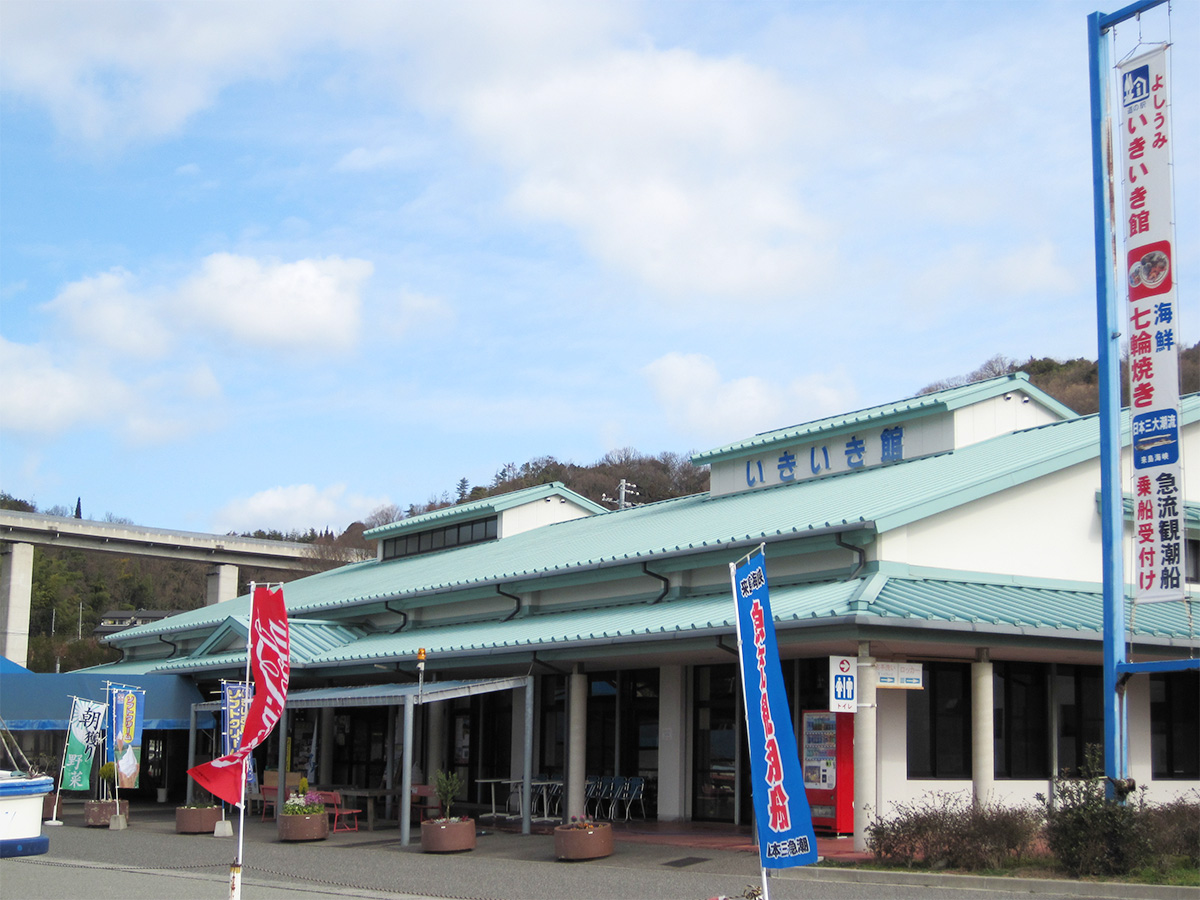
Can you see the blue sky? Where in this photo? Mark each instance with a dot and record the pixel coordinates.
(274, 265)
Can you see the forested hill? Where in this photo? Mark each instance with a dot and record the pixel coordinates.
(72, 589)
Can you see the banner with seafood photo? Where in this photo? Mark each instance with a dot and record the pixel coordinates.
(1148, 223)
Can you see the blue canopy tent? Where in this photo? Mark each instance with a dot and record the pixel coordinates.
(42, 702)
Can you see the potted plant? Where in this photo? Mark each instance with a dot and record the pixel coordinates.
(583, 838)
(303, 816)
(200, 819)
(98, 813)
(449, 833)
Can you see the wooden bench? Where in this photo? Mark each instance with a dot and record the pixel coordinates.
(334, 807)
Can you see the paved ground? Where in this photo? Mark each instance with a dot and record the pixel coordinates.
(148, 860)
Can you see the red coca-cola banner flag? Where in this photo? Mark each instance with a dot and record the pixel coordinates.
(271, 666)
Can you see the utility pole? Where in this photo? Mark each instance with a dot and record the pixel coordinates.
(623, 489)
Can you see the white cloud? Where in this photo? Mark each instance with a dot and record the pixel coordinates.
(296, 507)
(697, 402)
(415, 313)
(108, 310)
(311, 303)
(42, 396)
(679, 169)
(112, 72)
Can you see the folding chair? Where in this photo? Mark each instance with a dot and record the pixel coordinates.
(425, 799)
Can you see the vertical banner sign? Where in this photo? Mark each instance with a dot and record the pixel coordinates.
(85, 731)
(127, 707)
(785, 829)
(271, 665)
(1148, 222)
(235, 703)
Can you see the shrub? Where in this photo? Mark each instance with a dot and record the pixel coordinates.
(1091, 835)
(948, 830)
(446, 785)
(1176, 829)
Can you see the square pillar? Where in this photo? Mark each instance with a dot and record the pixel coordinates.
(16, 593)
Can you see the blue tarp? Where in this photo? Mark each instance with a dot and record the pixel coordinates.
(42, 702)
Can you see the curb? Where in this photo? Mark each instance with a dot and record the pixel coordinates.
(1098, 889)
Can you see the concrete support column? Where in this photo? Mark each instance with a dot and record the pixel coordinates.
(16, 592)
(983, 736)
(672, 744)
(222, 584)
(866, 748)
(576, 784)
(325, 748)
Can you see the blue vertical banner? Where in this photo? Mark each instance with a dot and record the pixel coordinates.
(235, 703)
(785, 829)
(127, 706)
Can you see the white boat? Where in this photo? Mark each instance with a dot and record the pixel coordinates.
(21, 813)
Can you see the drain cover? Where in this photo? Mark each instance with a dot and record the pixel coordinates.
(686, 861)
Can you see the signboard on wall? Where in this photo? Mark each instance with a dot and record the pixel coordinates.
(902, 675)
(843, 684)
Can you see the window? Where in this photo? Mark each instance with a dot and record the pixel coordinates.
(1078, 693)
(1022, 732)
(1174, 729)
(939, 723)
(1192, 557)
(439, 538)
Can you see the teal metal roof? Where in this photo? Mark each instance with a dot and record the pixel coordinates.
(874, 499)
(488, 506)
(310, 639)
(914, 407)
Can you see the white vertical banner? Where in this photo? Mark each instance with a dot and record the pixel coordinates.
(1147, 220)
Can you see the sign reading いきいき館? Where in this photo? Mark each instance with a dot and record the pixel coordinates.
(785, 829)
(1149, 232)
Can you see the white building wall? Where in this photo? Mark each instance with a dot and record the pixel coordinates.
(528, 516)
(1015, 411)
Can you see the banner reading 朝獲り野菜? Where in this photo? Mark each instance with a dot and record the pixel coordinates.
(1147, 221)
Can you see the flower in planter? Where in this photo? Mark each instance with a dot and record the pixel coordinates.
(306, 804)
(583, 823)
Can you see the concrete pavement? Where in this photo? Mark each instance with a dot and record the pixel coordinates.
(148, 860)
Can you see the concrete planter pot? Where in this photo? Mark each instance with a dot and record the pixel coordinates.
(313, 827)
(98, 813)
(444, 836)
(592, 842)
(196, 819)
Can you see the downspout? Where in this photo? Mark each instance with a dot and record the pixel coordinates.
(858, 551)
(666, 583)
(174, 648)
(400, 612)
(517, 600)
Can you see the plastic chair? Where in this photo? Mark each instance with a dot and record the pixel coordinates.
(635, 789)
(604, 796)
(619, 790)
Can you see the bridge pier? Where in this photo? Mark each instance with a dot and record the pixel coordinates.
(16, 591)
(222, 583)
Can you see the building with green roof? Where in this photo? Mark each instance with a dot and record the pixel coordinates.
(954, 535)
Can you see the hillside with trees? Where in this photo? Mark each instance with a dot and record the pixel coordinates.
(72, 589)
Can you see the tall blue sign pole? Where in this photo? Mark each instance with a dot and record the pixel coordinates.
(1116, 665)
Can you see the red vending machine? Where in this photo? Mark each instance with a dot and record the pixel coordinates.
(827, 754)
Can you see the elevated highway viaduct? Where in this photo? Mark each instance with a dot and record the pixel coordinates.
(20, 532)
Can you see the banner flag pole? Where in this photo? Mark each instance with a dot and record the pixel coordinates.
(235, 870)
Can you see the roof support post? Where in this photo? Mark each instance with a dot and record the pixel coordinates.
(191, 784)
(866, 751)
(406, 775)
(527, 770)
